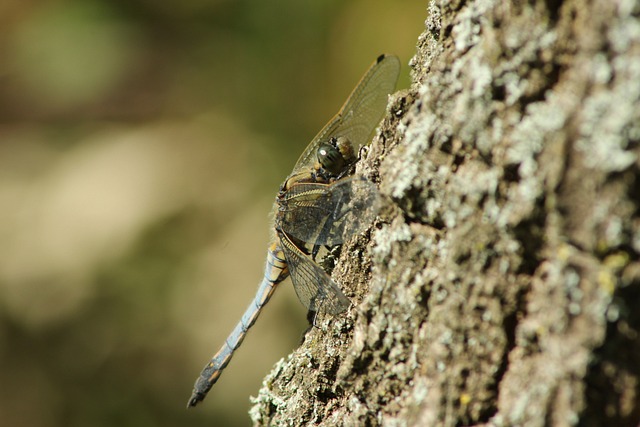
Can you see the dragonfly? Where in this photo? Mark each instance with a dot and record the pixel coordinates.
(319, 205)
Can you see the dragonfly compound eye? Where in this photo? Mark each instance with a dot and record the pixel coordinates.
(331, 159)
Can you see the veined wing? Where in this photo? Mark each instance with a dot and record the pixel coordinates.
(315, 289)
(362, 111)
(328, 214)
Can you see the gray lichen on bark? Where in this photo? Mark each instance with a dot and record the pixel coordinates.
(501, 283)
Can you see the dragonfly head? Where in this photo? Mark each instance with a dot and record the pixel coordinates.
(336, 155)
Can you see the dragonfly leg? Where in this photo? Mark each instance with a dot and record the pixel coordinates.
(315, 318)
(312, 317)
(314, 251)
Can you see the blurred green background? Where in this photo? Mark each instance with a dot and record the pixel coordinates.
(141, 146)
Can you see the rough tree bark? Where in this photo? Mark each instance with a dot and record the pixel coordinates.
(501, 285)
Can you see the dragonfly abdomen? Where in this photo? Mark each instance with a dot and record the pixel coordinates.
(275, 272)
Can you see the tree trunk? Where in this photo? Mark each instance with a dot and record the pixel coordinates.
(501, 284)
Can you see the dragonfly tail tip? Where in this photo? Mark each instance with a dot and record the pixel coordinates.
(194, 400)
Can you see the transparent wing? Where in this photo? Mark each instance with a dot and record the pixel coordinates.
(362, 111)
(315, 289)
(328, 214)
